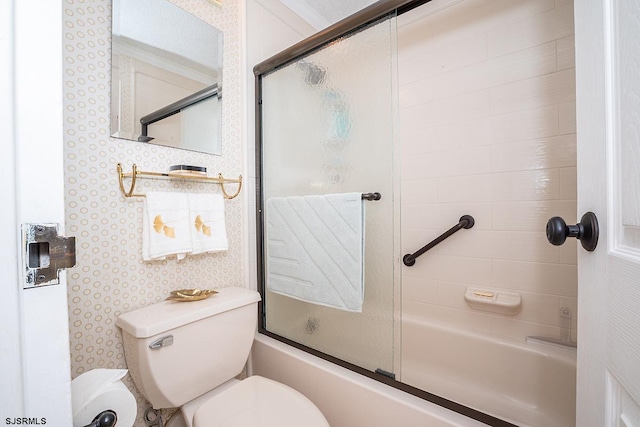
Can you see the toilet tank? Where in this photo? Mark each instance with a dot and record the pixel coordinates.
(177, 351)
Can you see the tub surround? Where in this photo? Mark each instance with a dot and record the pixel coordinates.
(487, 124)
(487, 128)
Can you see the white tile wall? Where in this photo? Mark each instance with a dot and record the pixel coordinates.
(487, 119)
(534, 29)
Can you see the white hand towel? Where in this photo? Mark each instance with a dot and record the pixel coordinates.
(165, 226)
(316, 249)
(206, 219)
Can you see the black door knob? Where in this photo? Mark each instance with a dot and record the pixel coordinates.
(586, 231)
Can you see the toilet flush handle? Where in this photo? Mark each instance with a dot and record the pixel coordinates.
(161, 342)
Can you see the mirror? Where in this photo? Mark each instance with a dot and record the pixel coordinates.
(166, 76)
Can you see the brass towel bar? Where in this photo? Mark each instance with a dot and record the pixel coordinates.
(135, 174)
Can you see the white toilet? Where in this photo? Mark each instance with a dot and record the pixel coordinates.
(187, 355)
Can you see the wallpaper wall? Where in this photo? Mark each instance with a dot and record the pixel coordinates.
(110, 277)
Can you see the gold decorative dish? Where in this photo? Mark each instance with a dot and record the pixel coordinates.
(190, 294)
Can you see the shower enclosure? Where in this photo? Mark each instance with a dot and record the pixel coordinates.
(446, 109)
(322, 134)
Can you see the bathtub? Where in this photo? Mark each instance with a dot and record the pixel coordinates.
(347, 399)
(528, 384)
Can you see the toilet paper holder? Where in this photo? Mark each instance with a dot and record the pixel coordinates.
(104, 419)
(99, 398)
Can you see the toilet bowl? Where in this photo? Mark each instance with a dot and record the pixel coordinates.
(255, 401)
(187, 355)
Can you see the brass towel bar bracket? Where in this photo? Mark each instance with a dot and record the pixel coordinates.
(135, 174)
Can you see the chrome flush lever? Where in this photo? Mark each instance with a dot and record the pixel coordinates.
(161, 342)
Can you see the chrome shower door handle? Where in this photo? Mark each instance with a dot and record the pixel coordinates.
(586, 231)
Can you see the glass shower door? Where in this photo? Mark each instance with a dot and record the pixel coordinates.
(326, 130)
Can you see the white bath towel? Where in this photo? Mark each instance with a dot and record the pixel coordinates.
(316, 249)
(206, 218)
(165, 226)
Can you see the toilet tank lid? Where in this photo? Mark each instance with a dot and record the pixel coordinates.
(158, 318)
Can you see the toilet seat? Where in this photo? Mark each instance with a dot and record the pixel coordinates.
(258, 401)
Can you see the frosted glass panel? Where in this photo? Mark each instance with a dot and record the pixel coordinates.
(328, 128)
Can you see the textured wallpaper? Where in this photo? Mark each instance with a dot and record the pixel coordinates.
(110, 277)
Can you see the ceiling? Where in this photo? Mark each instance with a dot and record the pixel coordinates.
(323, 13)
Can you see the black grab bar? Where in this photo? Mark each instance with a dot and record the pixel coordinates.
(466, 221)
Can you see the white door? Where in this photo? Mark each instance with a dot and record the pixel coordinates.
(608, 120)
(34, 331)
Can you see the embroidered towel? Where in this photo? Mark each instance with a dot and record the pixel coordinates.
(316, 249)
(165, 226)
(206, 218)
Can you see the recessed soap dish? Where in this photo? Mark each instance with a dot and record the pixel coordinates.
(495, 301)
